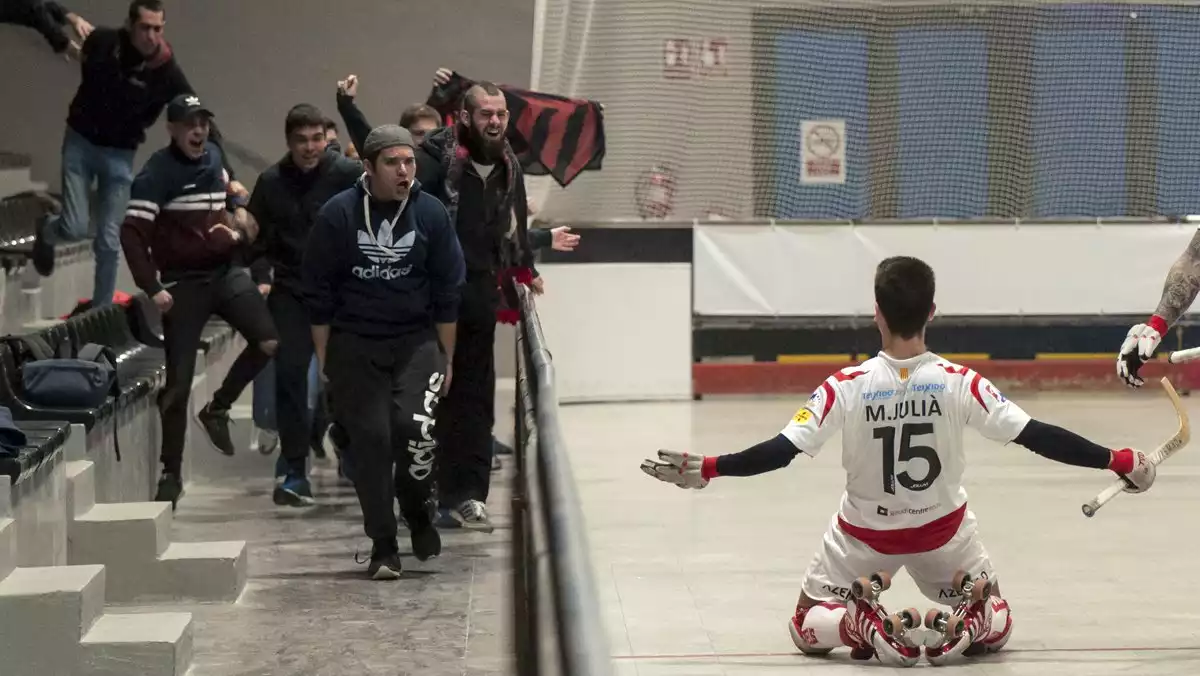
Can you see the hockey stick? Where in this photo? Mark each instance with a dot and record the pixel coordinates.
(1160, 455)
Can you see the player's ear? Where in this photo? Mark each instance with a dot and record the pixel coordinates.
(932, 311)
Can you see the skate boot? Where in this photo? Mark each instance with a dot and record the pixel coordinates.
(979, 623)
(887, 637)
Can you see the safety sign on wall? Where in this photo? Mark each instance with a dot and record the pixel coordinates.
(823, 151)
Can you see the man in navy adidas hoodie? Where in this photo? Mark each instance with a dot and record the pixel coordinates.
(382, 273)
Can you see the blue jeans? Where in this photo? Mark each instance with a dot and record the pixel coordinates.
(264, 395)
(111, 169)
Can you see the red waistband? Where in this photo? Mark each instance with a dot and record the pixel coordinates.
(924, 538)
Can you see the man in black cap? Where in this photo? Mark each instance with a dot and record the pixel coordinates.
(182, 233)
(382, 272)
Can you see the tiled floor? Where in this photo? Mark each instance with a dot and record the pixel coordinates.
(702, 582)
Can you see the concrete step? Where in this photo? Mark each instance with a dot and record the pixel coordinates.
(147, 644)
(132, 540)
(120, 533)
(8, 547)
(44, 613)
(208, 571)
(81, 487)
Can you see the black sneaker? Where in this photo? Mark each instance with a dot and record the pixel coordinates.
(170, 488)
(385, 561)
(216, 426)
(426, 543)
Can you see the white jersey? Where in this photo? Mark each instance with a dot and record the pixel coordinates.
(902, 424)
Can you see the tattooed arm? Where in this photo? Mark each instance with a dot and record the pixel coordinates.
(1179, 292)
(1183, 283)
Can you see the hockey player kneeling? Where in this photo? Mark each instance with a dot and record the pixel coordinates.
(904, 507)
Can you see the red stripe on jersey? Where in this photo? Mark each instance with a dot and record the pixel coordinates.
(828, 401)
(975, 391)
(843, 377)
(923, 538)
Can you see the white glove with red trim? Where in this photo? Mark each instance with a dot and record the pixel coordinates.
(1135, 468)
(685, 470)
(1138, 348)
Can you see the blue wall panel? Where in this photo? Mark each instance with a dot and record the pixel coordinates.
(1079, 119)
(820, 75)
(943, 123)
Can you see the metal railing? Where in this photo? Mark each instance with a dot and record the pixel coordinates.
(556, 612)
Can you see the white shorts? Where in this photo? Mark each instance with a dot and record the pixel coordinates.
(842, 559)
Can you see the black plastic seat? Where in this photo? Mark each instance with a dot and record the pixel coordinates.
(42, 440)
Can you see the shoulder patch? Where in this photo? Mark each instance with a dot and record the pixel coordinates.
(802, 416)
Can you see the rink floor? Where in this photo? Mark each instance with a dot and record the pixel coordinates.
(703, 582)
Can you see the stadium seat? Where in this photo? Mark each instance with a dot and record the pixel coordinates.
(43, 439)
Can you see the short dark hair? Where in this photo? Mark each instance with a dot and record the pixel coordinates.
(303, 115)
(330, 124)
(469, 101)
(136, 7)
(904, 288)
(417, 112)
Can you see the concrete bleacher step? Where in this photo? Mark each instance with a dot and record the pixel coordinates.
(44, 613)
(8, 546)
(132, 539)
(147, 644)
(81, 487)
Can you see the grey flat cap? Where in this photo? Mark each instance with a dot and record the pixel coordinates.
(386, 136)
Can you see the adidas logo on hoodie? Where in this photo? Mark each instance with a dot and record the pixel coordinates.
(383, 252)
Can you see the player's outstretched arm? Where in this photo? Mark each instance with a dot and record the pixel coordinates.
(1179, 292)
(1061, 445)
(688, 470)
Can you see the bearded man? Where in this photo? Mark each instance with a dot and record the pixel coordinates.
(473, 170)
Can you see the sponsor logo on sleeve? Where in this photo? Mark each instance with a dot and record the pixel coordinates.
(802, 416)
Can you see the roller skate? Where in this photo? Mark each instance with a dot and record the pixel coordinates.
(888, 637)
(967, 630)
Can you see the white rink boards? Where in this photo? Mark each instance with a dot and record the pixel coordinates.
(701, 583)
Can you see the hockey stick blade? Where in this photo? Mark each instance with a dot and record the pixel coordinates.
(1160, 455)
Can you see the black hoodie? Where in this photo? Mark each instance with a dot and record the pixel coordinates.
(382, 269)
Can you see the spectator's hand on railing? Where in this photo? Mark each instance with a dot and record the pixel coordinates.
(349, 86)
(562, 239)
(538, 285)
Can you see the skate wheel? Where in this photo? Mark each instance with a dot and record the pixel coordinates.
(911, 617)
(961, 582)
(884, 579)
(955, 626)
(893, 625)
(932, 617)
(862, 589)
(981, 590)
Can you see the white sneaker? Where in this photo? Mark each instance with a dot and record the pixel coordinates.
(472, 514)
(267, 441)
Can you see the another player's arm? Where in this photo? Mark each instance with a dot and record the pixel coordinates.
(1179, 292)
(1000, 420)
(808, 430)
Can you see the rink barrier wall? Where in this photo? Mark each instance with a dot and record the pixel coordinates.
(558, 628)
(679, 310)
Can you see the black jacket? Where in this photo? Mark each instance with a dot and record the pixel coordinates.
(398, 276)
(285, 203)
(44, 16)
(121, 94)
(483, 230)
